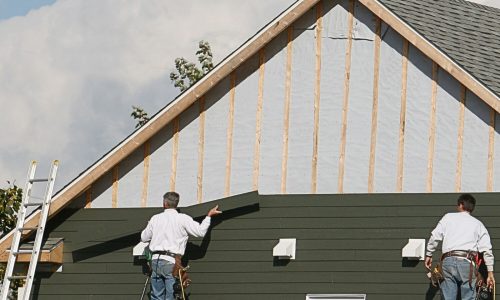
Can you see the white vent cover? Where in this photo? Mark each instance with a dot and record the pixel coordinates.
(285, 249)
(414, 250)
(139, 249)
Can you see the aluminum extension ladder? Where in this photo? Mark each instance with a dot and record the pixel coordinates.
(20, 228)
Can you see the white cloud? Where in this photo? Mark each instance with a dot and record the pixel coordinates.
(492, 3)
(71, 71)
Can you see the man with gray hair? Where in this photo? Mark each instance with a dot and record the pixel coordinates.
(167, 234)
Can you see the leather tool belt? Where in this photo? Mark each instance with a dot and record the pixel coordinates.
(471, 255)
(165, 253)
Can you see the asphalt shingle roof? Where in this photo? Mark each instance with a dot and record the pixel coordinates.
(467, 32)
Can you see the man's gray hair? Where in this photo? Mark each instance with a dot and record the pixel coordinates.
(171, 199)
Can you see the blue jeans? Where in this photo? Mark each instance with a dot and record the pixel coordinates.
(456, 272)
(162, 281)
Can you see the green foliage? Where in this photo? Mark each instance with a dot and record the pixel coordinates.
(10, 201)
(187, 73)
(140, 115)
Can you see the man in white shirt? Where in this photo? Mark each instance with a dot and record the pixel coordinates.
(463, 238)
(167, 234)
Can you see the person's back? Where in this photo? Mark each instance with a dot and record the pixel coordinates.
(463, 238)
(167, 234)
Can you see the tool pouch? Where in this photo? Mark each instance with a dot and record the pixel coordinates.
(436, 275)
(180, 272)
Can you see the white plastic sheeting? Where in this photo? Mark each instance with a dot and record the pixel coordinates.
(418, 108)
(301, 123)
(389, 107)
(447, 124)
(357, 152)
(475, 145)
(272, 116)
(332, 91)
(245, 114)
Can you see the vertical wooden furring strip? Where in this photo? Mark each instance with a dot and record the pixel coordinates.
(88, 197)
(402, 116)
(317, 96)
(175, 150)
(201, 149)
(230, 125)
(258, 121)
(491, 150)
(145, 176)
(432, 127)
(288, 83)
(114, 193)
(376, 73)
(347, 75)
(460, 144)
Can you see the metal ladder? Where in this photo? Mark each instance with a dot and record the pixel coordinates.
(20, 228)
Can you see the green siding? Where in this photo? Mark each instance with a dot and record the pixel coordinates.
(345, 244)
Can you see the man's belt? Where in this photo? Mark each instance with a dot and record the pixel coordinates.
(169, 253)
(460, 253)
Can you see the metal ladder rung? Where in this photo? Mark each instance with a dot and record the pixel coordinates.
(17, 277)
(39, 180)
(33, 204)
(22, 252)
(27, 228)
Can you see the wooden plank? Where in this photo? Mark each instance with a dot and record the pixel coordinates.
(230, 127)
(145, 176)
(258, 120)
(88, 197)
(376, 75)
(435, 54)
(491, 150)
(54, 256)
(432, 127)
(286, 119)
(201, 149)
(114, 194)
(317, 96)
(460, 144)
(402, 116)
(347, 75)
(175, 152)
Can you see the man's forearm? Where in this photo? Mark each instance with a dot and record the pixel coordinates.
(489, 260)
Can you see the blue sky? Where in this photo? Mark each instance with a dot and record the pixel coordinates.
(14, 8)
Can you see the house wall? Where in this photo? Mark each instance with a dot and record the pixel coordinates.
(337, 103)
(346, 244)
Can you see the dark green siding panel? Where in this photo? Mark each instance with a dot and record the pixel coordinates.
(345, 244)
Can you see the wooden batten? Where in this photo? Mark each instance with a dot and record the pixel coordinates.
(201, 149)
(88, 197)
(345, 106)
(230, 127)
(145, 176)
(317, 97)
(258, 120)
(402, 116)
(460, 144)
(433, 53)
(432, 127)
(114, 193)
(286, 119)
(376, 75)
(491, 150)
(175, 153)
